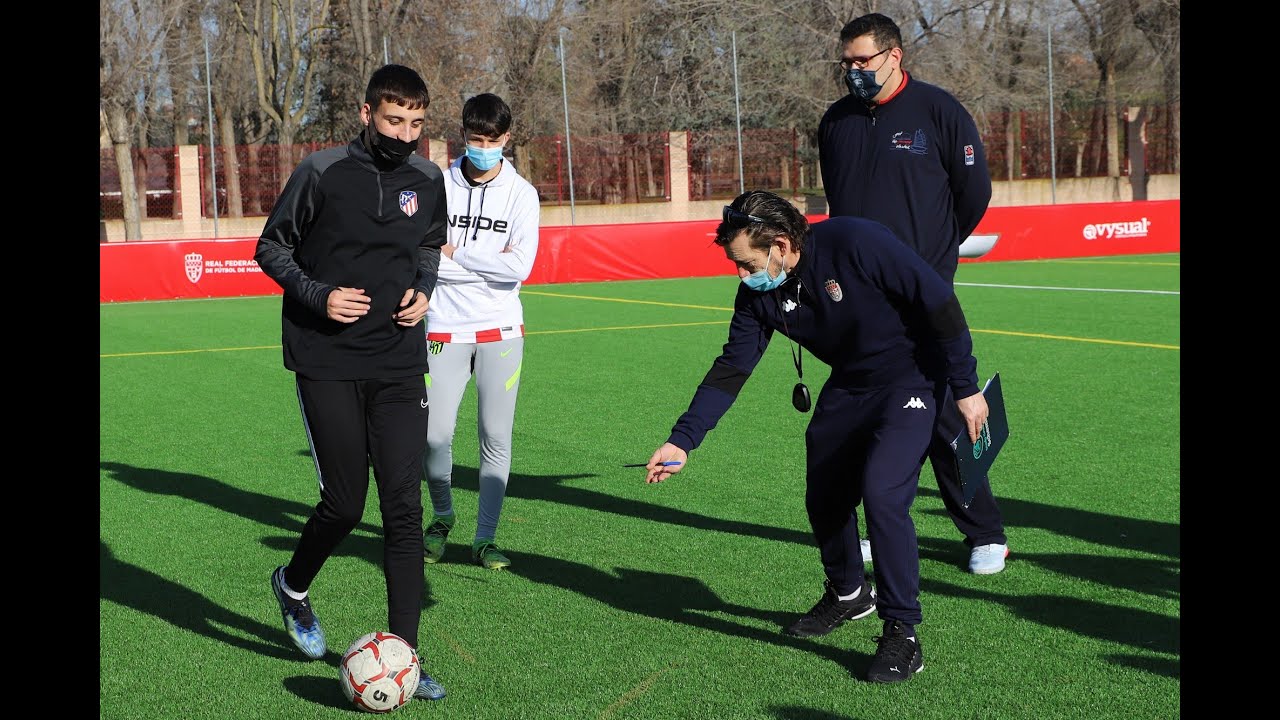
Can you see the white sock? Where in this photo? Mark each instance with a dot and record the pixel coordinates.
(856, 593)
(302, 596)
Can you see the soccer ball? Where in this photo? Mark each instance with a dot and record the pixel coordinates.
(379, 672)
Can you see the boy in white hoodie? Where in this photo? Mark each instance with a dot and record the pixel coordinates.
(475, 322)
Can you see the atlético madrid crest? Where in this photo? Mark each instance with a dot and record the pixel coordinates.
(833, 289)
(409, 202)
(195, 266)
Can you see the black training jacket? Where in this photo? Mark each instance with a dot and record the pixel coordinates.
(342, 221)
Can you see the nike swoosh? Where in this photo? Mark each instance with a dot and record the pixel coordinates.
(504, 354)
(423, 403)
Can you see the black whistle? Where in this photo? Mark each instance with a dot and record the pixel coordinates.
(800, 398)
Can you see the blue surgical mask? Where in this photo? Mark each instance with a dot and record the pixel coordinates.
(484, 158)
(761, 281)
(862, 83)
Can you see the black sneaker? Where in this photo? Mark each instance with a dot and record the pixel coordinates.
(899, 655)
(831, 612)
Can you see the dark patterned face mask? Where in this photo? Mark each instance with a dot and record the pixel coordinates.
(862, 83)
(389, 149)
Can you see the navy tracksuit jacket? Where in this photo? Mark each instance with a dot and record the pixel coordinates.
(888, 325)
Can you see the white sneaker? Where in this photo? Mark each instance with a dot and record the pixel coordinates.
(866, 550)
(988, 559)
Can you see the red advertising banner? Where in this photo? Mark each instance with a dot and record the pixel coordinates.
(588, 253)
(1082, 230)
(181, 269)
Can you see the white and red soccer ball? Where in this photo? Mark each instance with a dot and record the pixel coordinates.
(379, 672)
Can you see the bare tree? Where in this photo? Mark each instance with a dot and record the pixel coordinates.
(1160, 23)
(131, 35)
(1105, 23)
(283, 41)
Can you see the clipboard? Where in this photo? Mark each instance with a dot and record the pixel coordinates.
(974, 460)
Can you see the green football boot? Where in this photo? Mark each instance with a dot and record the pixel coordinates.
(434, 536)
(486, 552)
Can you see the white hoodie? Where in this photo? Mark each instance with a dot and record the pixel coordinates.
(494, 227)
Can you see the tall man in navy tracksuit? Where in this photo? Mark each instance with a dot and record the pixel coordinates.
(857, 298)
(905, 153)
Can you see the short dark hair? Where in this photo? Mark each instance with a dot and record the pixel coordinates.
(883, 31)
(779, 217)
(398, 85)
(486, 114)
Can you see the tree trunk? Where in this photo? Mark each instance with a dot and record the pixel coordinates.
(1111, 123)
(254, 173)
(231, 165)
(284, 158)
(118, 127)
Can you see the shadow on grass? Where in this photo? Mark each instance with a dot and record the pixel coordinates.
(550, 489)
(1090, 618)
(144, 591)
(263, 509)
(1149, 536)
(319, 689)
(679, 599)
(1170, 668)
(365, 542)
(1153, 576)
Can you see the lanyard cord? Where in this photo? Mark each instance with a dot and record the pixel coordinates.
(797, 359)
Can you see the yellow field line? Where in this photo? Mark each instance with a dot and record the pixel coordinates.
(453, 644)
(188, 352)
(1041, 336)
(1076, 339)
(629, 696)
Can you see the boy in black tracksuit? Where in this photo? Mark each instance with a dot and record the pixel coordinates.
(907, 154)
(354, 240)
(858, 299)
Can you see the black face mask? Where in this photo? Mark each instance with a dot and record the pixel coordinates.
(389, 149)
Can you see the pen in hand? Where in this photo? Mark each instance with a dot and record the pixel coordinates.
(667, 463)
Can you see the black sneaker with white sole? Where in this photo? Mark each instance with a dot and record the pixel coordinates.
(831, 612)
(899, 655)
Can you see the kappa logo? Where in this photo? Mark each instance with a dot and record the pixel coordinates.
(833, 289)
(915, 403)
(194, 263)
(408, 202)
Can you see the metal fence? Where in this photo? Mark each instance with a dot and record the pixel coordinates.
(770, 159)
(1018, 142)
(607, 169)
(155, 171)
(635, 168)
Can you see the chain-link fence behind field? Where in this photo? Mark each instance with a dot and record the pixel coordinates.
(1018, 144)
(607, 169)
(154, 170)
(636, 168)
(260, 172)
(770, 160)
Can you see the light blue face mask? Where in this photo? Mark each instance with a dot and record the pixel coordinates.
(760, 281)
(484, 158)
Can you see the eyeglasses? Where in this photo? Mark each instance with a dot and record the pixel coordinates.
(860, 62)
(734, 217)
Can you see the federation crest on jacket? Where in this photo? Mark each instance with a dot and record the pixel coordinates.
(833, 289)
